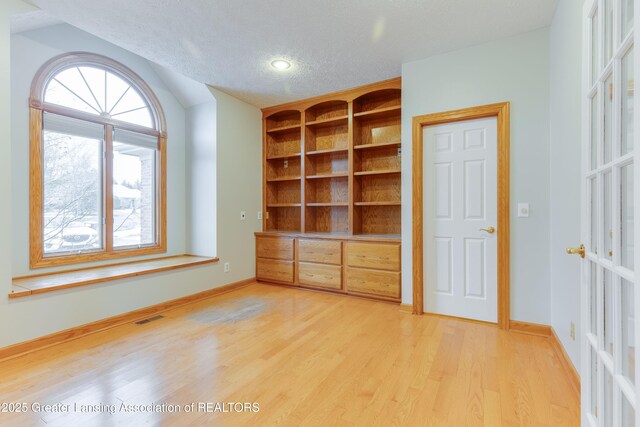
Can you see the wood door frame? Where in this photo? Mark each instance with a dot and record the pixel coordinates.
(501, 111)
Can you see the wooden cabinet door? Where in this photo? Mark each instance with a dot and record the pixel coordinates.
(274, 270)
(275, 248)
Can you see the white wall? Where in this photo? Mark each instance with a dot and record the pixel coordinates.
(6, 8)
(201, 179)
(517, 70)
(239, 133)
(239, 168)
(565, 127)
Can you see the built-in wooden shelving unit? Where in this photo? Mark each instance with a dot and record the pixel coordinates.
(332, 163)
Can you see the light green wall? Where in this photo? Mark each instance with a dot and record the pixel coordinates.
(239, 188)
(514, 69)
(566, 134)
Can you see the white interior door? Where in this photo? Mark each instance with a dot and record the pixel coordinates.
(460, 235)
(609, 299)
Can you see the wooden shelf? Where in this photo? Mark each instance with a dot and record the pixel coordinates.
(329, 204)
(376, 146)
(327, 176)
(327, 121)
(380, 112)
(377, 172)
(284, 129)
(348, 147)
(373, 236)
(283, 156)
(377, 203)
(382, 238)
(284, 205)
(48, 282)
(283, 178)
(329, 150)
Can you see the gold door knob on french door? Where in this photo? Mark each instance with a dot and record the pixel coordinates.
(489, 230)
(576, 251)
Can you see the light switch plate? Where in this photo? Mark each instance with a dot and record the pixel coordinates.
(523, 210)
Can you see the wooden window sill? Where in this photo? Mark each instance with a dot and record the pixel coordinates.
(42, 283)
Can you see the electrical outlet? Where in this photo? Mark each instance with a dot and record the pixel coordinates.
(227, 267)
(259, 214)
(286, 163)
(523, 210)
(573, 331)
(243, 215)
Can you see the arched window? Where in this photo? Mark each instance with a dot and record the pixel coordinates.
(97, 163)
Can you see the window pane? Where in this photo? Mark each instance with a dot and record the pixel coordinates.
(95, 80)
(595, 50)
(628, 331)
(606, 215)
(626, 216)
(607, 284)
(594, 383)
(594, 132)
(117, 88)
(96, 91)
(608, 398)
(68, 89)
(594, 215)
(138, 117)
(134, 189)
(608, 120)
(608, 30)
(626, 142)
(72, 199)
(132, 108)
(593, 299)
(628, 413)
(627, 16)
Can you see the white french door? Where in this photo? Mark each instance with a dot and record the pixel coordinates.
(609, 298)
(460, 206)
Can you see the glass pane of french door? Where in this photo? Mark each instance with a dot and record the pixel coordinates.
(609, 308)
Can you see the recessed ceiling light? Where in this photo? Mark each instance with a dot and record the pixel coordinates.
(280, 64)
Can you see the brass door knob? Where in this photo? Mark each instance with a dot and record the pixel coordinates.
(489, 230)
(576, 251)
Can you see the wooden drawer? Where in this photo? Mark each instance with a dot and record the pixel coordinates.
(275, 247)
(270, 269)
(373, 282)
(320, 276)
(381, 256)
(321, 251)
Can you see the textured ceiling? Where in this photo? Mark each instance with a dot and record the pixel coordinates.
(32, 20)
(334, 44)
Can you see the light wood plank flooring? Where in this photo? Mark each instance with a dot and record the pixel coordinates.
(306, 358)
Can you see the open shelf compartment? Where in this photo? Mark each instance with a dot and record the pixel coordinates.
(376, 220)
(330, 190)
(380, 100)
(282, 168)
(327, 164)
(283, 219)
(326, 219)
(282, 121)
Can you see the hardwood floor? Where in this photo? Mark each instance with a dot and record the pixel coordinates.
(306, 358)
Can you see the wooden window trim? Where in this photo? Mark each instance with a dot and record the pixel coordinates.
(38, 107)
